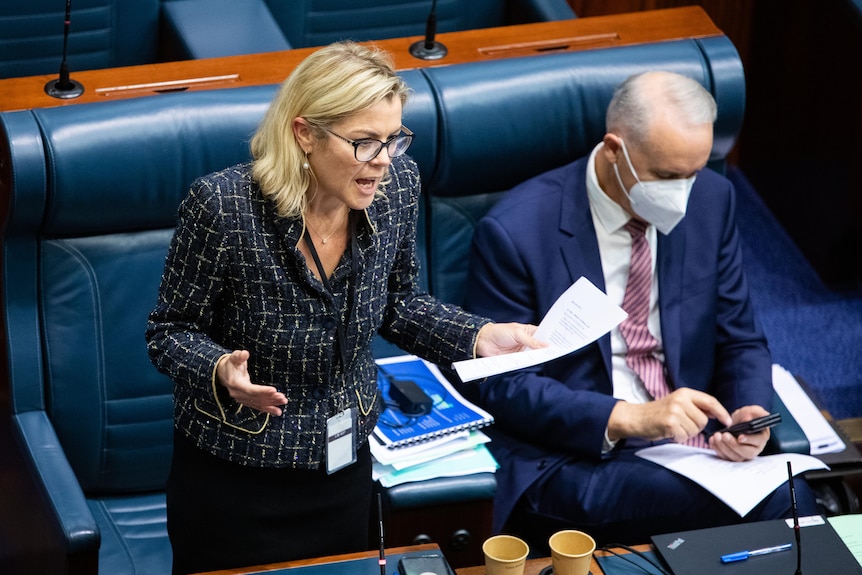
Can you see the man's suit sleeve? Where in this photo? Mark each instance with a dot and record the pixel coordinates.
(557, 405)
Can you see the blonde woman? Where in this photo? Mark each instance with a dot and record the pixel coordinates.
(280, 273)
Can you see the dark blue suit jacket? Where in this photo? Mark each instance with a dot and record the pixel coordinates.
(532, 246)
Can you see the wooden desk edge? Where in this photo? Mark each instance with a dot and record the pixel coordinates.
(533, 567)
(324, 560)
(272, 67)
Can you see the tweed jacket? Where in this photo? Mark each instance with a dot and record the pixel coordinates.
(235, 279)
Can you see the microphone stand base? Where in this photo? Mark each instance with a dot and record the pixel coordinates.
(423, 52)
(54, 90)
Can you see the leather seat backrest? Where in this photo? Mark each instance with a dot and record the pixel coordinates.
(215, 28)
(491, 141)
(319, 22)
(102, 34)
(116, 173)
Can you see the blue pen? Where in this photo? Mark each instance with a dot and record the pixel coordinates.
(743, 555)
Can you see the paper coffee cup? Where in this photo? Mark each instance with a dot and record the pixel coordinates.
(571, 552)
(505, 555)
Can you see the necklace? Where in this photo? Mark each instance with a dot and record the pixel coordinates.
(325, 238)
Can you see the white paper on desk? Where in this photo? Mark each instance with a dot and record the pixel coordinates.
(821, 435)
(580, 316)
(459, 464)
(741, 485)
(849, 528)
(409, 456)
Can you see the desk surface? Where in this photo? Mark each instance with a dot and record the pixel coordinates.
(287, 565)
(273, 67)
(533, 567)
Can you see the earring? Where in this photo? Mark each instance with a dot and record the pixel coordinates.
(305, 165)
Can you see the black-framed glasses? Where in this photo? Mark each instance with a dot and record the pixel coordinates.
(366, 149)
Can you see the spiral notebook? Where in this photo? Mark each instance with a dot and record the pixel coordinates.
(450, 411)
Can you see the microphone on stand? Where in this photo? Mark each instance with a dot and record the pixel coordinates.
(795, 520)
(382, 559)
(429, 49)
(64, 87)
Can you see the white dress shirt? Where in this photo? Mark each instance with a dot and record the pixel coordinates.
(615, 247)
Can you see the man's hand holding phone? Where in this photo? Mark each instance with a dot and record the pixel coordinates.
(745, 439)
(753, 425)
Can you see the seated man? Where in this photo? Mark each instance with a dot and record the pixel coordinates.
(644, 221)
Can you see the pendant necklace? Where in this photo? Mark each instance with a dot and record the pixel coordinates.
(325, 238)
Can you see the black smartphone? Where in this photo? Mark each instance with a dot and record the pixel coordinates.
(424, 565)
(753, 426)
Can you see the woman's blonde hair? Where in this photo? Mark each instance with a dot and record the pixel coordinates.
(331, 84)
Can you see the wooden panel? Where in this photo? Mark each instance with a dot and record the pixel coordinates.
(300, 563)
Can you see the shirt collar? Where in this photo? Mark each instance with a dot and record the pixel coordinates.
(607, 212)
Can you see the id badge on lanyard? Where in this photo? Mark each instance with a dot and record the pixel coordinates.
(340, 447)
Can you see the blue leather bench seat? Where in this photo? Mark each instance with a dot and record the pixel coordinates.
(211, 28)
(102, 34)
(90, 226)
(195, 29)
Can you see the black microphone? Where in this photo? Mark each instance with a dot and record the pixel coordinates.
(64, 87)
(382, 559)
(429, 49)
(795, 520)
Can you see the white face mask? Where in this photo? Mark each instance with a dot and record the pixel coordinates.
(661, 203)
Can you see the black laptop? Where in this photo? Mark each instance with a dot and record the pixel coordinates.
(699, 552)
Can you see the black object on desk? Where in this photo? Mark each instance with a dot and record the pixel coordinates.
(424, 565)
(699, 551)
(362, 566)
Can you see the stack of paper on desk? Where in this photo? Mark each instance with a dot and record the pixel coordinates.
(821, 435)
(443, 443)
(451, 458)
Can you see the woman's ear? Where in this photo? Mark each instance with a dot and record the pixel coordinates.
(303, 135)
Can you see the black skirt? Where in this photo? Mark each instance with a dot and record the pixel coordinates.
(222, 515)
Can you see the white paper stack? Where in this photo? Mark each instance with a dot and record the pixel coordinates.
(821, 435)
(464, 453)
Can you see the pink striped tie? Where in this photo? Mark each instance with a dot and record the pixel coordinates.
(641, 344)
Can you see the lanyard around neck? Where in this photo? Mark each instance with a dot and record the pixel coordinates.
(340, 326)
